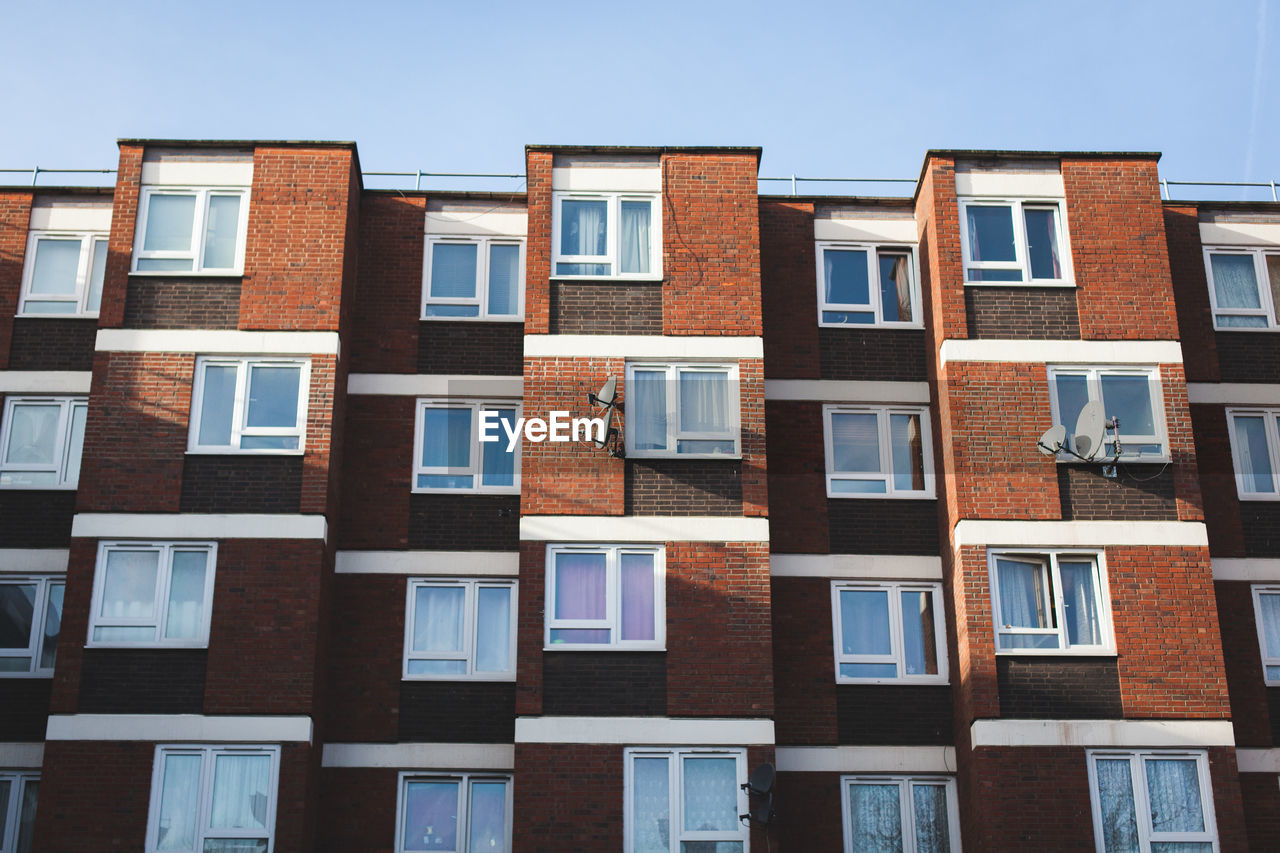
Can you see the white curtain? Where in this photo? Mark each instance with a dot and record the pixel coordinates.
(1115, 794)
(583, 228)
(876, 814)
(179, 804)
(493, 636)
(647, 412)
(488, 826)
(651, 806)
(1022, 599)
(1235, 281)
(34, 435)
(932, 825)
(129, 590)
(855, 443)
(704, 402)
(186, 596)
(1270, 606)
(241, 791)
(437, 619)
(635, 237)
(1173, 787)
(710, 794)
(1079, 601)
(895, 288)
(1255, 461)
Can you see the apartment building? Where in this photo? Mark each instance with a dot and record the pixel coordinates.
(265, 585)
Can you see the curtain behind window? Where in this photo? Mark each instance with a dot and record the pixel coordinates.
(876, 817)
(241, 791)
(635, 237)
(650, 804)
(1235, 282)
(648, 411)
(1079, 603)
(1115, 797)
(933, 829)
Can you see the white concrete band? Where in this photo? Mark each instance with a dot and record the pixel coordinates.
(446, 563)
(421, 756)
(34, 561)
(620, 528)
(45, 381)
(865, 759)
(1010, 184)
(198, 173)
(217, 342)
(642, 346)
(475, 219)
(856, 566)
(637, 178)
(1094, 733)
(835, 391)
(863, 230)
(1081, 534)
(1233, 393)
(1061, 352)
(195, 728)
(108, 525)
(1253, 569)
(21, 756)
(1239, 233)
(435, 385)
(1258, 760)
(64, 214)
(637, 731)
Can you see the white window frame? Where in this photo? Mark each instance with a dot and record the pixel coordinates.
(465, 781)
(1048, 559)
(208, 754)
(195, 253)
(906, 804)
(11, 810)
(475, 469)
(613, 600)
(674, 434)
(44, 584)
(1141, 803)
(883, 415)
(875, 305)
(471, 625)
(1259, 590)
(1267, 306)
(1269, 418)
(1022, 261)
(613, 240)
(62, 452)
(675, 793)
(897, 654)
(240, 408)
(164, 577)
(89, 241)
(1093, 375)
(481, 299)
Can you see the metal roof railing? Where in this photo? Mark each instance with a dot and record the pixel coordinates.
(35, 172)
(1165, 184)
(794, 180)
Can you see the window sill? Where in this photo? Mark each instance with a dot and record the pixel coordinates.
(203, 644)
(4, 675)
(1259, 499)
(899, 496)
(208, 451)
(606, 279)
(464, 492)
(723, 457)
(56, 316)
(186, 273)
(1266, 329)
(901, 682)
(1057, 284)
(565, 647)
(1059, 653)
(23, 488)
(883, 326)
(498, 679)
(1106, 460)
(502, 319)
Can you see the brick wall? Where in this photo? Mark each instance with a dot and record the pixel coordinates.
(941, 270)
(809, 813)
(387, 298)
(1260, 796)
(457, 712)
(15, 216)
(1048, 688)
(537, 289)
(683, 487)
(36, 519)
(604, 684)
(1248, 357)
(1222, 506)
(867, 526)
(1191, 292)
(182, 303)
(24, 708)
(611, 308)
(124, 214)
(142, 681)
(357, 810)
(495, 349)
(1138, 492)
(894, 355)
(363, 684)
(1250, 712)
(1021, 312)
(241, 484)
(788, 294)
(803, 662)
(441, 522)
(376, 472)
(894, 714)
(49, 343)
(798, 521)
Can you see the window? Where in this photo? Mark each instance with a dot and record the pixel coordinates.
(474, 278)
(453, 813)
(889, 632)
(1266, 612)
(191, 230)
(1130, 394)
(847, 296)
(63, 274)
(1244, 287)
(878, 452)
(685, 800)
(1255, 450)
(249, 405)
(153, 594)
(606, 597)
(451, 455)
(30, 619)
(1009, 241)
(460, 629)
(1050, 602)
(911, 814)
(686, 410)
(1152, 802)
(42, 439)
(607, 235)
(18, 795)
(213, 799)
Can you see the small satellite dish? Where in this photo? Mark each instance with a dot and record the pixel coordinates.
(760, 786)
(603, 441)
(1091, 430)
(761, 781)
(1051, 442)
(608, 393)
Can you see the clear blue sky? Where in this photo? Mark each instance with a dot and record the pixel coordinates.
(837, 88)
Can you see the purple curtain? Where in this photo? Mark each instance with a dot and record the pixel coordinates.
(637, 597)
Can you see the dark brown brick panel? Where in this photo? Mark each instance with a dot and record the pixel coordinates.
(797, 470)
(36, 519)
(1260, 793)
(1022, 312)
(464, 522)
(376, 464)
(187, 303)
(15, 215)
(894, 714)
(24, 708)
(683, 487)
(1138, 492)
(810, 816)
(890, 355)
(868, 526)
(458, 711)
(611, 308)
(241, 484)
(1250, 713)
(142, 681)
(52, 344)
(1191, 292)
(387, 299)
(1260, 522)
(604, 684)
(803, 665)
(357, 810)
(788, 289)
(1048, 688)
(1242, 356)
(364, 666)
(491, 349)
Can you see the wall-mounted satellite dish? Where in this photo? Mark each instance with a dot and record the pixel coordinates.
(1091, 430)
(608, 400)
(1051, 442)
(759, 788)
(608, 393)
(603, 442)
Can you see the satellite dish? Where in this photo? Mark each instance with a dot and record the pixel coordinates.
(1051, 442)
(603, 441)
(608, 393)
(1091, 430)
(761, 781)
(760, 785)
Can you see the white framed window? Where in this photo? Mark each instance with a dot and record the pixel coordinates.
(606, 235)
(878, 451)
(1131, 394)
(41, 440)
(63, 274)
(451, 455)
(153, 594)
(453, 812)
(1050, 602)
(1255, 452)
(459, 629)
(1244, 287)
(213, 798)
(19, 791)
(687, 410)
(606, 597)
(684, 799)
(889, 633)
(911, 814)
(865, 284)
(1152, 801)
(249, 405)
(1012, 241)
(473, 278)
(191, 230)
(30, 620)
(1266, 614)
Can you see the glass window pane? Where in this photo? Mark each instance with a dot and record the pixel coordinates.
(1254, 458)
(584, 227)
(582, 269)
(221, 229)
(648, 410)
(179, 804)
(685, 445)
(1181, 847)
(848, 318)
(868, 670)
(920, 642)
(864, 622)
(52, 626)
(216, 405)
(1073, 394)
(129, 588)
(1080, 602)
(580, 635)
(234, 845)
(438, 618)
(241, 791)
(1269, 603)
(637, 596)
(124, 635)
(453, 270)
(170, 223)
(75, 444)
(97, 272)
(1273, 276)
(273, 396)
(488, 817)
(434, 310)
(895, 288)
(1023, 593)
(164, 264)
(504, 279)
(855, 442)
(17, 614)
(859, 487)
(57, 265)
(845, 274)
(710, 794)
(430, 816)
(445, 481)
(1173, 789)
(33, 435)
(1129, 399)
(580, 586)
(446, 437)
(875, 815)
(437, 667)
(634, 227)
(1235, 281)
(27, 816)
(933, 827)
(650, 806)
(991, 233)
(268, 442)
(1042, 242)
(1115, 796)
(908, 452)
(704, 401)
(498, 466)
(5, 787)
(185, 617)
(493, 632)
(33, 306)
